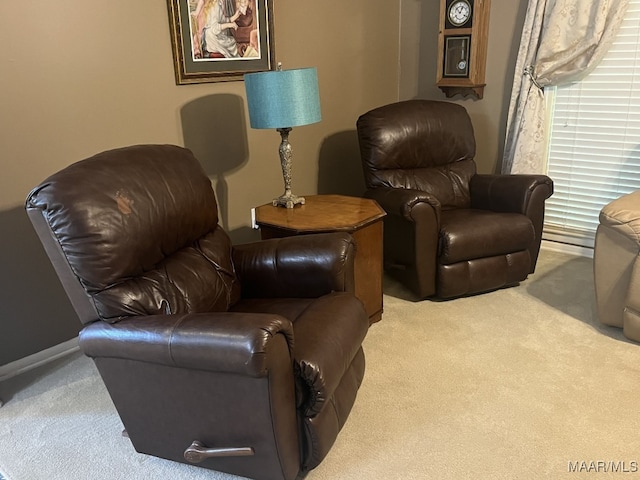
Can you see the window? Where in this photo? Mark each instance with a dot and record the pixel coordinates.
(594, 144)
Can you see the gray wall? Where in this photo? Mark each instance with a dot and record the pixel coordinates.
(418, 60)
(78, 79)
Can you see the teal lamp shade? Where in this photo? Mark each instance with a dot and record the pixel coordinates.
(283, 98)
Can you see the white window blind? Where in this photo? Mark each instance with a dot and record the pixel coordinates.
(594, 144)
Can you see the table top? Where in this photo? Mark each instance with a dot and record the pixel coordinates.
(321, 213)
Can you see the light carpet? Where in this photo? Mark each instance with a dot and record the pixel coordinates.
(520, 383)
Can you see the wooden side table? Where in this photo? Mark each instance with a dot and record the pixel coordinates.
(361, 217)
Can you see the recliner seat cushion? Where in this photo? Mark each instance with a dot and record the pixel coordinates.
(467, 234)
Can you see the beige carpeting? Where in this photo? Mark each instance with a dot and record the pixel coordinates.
(521, 383)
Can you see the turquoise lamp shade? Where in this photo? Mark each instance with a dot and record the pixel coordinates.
(283, 98)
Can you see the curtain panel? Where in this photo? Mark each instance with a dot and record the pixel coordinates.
(562, 41)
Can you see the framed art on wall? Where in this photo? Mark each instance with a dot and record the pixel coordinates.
(220, 40)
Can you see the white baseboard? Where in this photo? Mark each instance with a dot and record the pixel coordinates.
(32, 361)
(567, 248)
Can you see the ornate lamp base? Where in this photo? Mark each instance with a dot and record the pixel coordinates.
(288, 200)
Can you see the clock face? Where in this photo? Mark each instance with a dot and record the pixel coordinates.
(459, 12)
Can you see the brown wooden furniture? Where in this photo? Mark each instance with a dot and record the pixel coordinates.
(361, 217)
(462, 47)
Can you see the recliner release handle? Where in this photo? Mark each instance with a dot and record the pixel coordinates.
(197, 452)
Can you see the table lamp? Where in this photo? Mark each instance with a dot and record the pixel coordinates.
(283, 99)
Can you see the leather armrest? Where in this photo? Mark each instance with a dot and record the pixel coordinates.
(218, 342)
(508, 193)
(411, 229)
(401, 201)
(623, 216)
(305, 266)
(328, 336)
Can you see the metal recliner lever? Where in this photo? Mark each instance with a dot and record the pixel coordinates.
(197, 452)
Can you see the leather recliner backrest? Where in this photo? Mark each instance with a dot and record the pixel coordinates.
(137, 229)
(419, 144)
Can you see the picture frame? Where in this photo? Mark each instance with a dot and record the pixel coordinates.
(201, 55)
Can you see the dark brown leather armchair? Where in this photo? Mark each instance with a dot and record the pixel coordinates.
(448, 231)
(244, 359)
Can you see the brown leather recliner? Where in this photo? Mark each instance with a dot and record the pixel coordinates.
(448, 231)
(244, 359)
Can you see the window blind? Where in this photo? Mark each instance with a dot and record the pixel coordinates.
(594, 143)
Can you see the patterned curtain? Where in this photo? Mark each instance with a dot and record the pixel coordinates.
(562, 41)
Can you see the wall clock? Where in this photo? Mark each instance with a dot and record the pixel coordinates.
(462, 47)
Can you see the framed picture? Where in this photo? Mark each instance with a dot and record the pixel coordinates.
(220, 40)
